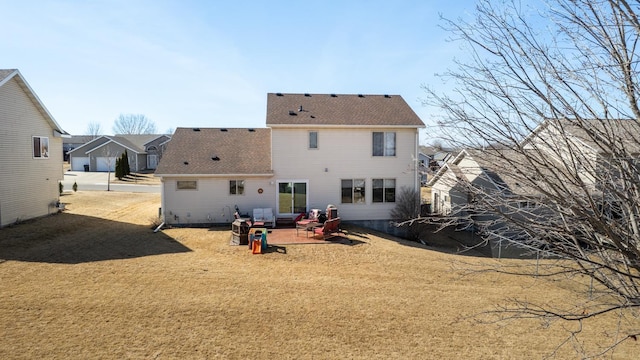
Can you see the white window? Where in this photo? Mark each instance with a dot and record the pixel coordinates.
(187, 185)
(236, 187)
(353, 191)
(313, 139)
(384, 190)
(384, 144)
(40, 147)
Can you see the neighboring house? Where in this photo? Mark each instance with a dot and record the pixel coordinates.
(100, 154)
(30, 152)
(356, 152)
(423, 167)
(71, 142)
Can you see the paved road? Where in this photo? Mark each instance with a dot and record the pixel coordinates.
(97, 181)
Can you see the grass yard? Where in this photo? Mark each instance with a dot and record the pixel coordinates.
(96, 282)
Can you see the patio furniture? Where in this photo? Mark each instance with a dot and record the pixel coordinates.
(264, 217)
(310, 222)
(329, 229)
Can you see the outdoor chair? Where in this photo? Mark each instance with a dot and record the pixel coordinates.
(309, 222)
(264, 216)
(329, 229)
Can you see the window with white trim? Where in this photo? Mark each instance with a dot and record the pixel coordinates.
(384, 144)
(313, 139)
(353, 191)
(40, 147)
(236, 187)
(384, 190)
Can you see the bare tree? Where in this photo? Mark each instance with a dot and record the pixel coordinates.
(547, 103)
(133, 124)
(94, 130)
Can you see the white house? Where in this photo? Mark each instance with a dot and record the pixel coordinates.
(30, 152)
(356, 152)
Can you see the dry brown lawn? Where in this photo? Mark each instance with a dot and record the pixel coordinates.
(96, 282)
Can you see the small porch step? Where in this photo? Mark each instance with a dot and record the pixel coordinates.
(285, 222)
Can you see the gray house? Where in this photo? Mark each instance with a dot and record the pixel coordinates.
(100, 154)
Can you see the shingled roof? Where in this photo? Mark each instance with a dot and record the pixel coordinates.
(217, 151)
(340, 110)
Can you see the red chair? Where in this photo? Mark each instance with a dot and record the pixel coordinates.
(329, 229)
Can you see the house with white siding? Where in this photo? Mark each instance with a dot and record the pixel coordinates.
(356, 152)
(30, 152)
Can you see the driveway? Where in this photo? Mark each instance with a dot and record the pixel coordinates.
(98, 181)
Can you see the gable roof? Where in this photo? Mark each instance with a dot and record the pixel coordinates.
(135, 143)
(340, 110)
(217, 151)
(7, 74)
(594, 133)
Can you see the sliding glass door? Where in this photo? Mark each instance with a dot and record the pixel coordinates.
(292, 197)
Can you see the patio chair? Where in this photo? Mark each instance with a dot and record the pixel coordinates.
(264, 216)
(329, 229)
(309, 222)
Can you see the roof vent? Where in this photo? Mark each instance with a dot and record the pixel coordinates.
(196, 129)
(334, 95)
(278, 94)
(313, 116)
(360, 95)
(186, 163)
(215, 158)
(387, 96)
(252, 130)
(300, 108)
(224, 130)
(292, 113)
(307, 94)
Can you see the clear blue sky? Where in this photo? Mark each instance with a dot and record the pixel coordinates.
(212, 63)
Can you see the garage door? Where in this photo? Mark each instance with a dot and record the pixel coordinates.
(78, 163)
(104, 163)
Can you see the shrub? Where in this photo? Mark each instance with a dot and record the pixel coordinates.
(60, 187)
(75, 186)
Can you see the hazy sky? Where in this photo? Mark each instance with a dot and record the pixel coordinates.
(212, 63)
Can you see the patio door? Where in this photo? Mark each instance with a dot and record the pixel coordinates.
(292, 197)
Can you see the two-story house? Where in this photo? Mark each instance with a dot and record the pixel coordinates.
(356, 152)
(30, 152)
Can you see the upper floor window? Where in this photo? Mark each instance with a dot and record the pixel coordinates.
(40, 147)
(384, 190)
(384, 144)
(313, 139)
(236, 187)
(353, 191)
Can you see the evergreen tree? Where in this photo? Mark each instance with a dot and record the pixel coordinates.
(119, 172)
(125, 160)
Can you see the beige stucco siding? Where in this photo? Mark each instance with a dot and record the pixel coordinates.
(344, 154)
(28, 186)
(211, 201)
